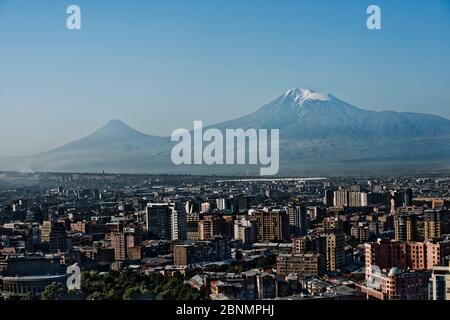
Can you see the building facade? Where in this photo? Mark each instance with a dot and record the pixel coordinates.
(304, 264)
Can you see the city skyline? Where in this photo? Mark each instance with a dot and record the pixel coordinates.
(146, 63)
(168, 237)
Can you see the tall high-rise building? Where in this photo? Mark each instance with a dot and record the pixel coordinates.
(340, 198)
(436, 223)
(395, 201)
(245, 230)
(334, 246)
(54, 234)
(298, 220)
(192, 220)
(328, 199)
(400, 199)
(364, 199)
(159, 219)
(333, 243)
(119, 244)
(354, 199)
(122, 240)
(221, 203)
(178, 221)
(207, 227)
(213, 225)
(167, 221)
(243, 204)
(405, 227)
(190, 206)
(407, 198)
(273, 225)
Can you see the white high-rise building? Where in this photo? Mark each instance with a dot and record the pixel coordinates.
(221, 203)
(189, 206)
(178, 221)
(340, 198)
(298, 219)
(245, 230)
(364, 201)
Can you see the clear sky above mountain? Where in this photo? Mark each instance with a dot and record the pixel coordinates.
(159, 65)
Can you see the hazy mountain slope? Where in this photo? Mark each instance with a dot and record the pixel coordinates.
(115, 147)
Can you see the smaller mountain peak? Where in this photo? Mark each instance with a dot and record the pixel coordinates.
(115, 122)
(300, 96)
(116, 127)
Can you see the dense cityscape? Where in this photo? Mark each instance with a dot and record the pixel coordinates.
(168, 237)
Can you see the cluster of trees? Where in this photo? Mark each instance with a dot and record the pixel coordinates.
(123, 285)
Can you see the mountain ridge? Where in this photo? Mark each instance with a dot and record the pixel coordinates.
(314, 127)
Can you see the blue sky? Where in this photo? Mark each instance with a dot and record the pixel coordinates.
(161, 64)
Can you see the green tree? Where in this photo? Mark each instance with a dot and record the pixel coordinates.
(54, 291)
(128, 284)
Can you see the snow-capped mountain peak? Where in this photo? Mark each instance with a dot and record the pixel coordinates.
(300, 96)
